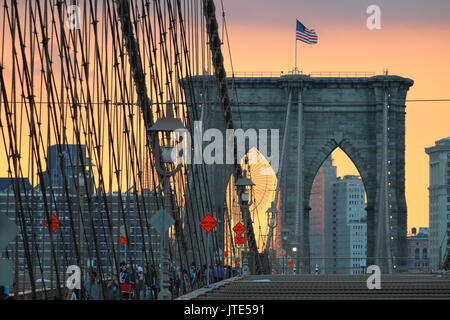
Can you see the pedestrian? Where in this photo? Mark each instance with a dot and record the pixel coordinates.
(124, 277)
(176, 278)
(148, 282)
(157, 285)
(234, 272)
(4, 295)
(200, 279)
(140, 283)
(73, 294)
(205, 271)
(187, 282)
(193, 275)
(227, 272)
(126, 283)
(113, 289)
(218, 273)
(92, 287)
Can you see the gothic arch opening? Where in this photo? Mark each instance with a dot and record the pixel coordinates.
(338, 217)
(259, 170)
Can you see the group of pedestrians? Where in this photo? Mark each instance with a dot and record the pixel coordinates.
(143, 283)
(132, 284)
(199, 275)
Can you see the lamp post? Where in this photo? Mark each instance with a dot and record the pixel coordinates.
(294, 250)
(163, 139)
(244, 188)
(271, 212)
(283, 259)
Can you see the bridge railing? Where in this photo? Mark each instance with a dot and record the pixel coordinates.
(316, 74)
(342, 74)
(343, 265)
(256, 74)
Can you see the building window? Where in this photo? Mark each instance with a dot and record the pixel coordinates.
(417, 254)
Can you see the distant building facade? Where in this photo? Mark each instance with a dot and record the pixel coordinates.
(418, 258)
(439, 200)
(338, 222)
(350, 226)
(90, 217)
(321, 217)
(99, 217)
(67, 165)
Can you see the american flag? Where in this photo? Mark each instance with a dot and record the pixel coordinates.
(306, 35)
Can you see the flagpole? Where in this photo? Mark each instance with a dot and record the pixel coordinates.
(295, 56)
(295, 69)
(296, 49)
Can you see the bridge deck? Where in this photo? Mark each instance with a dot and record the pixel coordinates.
(304, 287)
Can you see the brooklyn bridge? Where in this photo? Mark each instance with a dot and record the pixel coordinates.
(137, 166)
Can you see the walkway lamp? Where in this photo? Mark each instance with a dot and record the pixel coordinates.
(163, 149)
(244, 188)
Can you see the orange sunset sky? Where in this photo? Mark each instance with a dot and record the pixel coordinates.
(413, 42)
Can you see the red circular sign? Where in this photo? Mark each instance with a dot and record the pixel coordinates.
(239, 228)
(123, 240)
(208, 223)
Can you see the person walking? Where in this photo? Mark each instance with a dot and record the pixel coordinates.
(113, 289)
(124, 277)
(193, 276)
(140, 284)
(151, 282)
(187, 282)
(157, 285)
(4, 294)
(92, 287)
(203, 275)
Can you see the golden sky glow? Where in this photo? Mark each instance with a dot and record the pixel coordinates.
(421, 53)
(413, 43)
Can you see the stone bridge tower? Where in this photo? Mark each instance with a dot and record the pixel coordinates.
(365, 117)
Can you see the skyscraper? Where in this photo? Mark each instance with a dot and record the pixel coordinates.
(350, 226)
(338, 222)
(439, 200)
(321, 217)
(67, 164)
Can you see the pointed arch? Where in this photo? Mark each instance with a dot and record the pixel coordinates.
(325, 151)
(263, 176)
